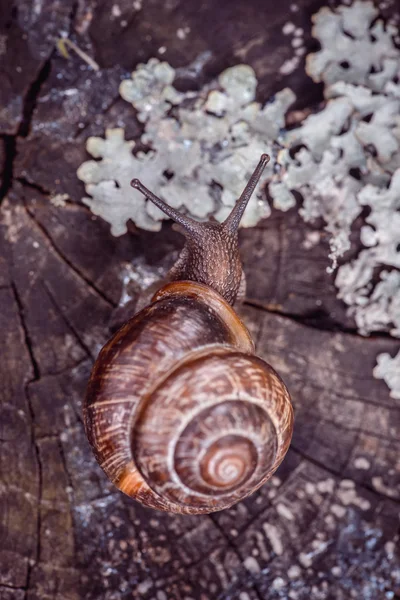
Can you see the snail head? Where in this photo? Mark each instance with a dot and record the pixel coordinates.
(211, 253)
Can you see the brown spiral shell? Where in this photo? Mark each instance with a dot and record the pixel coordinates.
(180, 413)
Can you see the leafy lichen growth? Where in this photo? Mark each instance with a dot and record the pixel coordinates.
(199, 157)
(354, 47)
(360, 64)
(388, 369)
(203, 145)
(380, 308)
(349, 158)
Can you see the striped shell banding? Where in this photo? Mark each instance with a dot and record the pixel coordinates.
(180, 413)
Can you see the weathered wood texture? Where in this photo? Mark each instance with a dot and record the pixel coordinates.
(327, 526)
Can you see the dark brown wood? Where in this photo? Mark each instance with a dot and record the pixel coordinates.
(327, 525)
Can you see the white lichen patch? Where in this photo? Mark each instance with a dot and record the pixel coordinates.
(310, 488)
(326, 486)
(354, 47)
(59, 200)
(346, 157)
(274, 537)
(150, 89)
(252, 565)
(298, 47)
(278, 583)
(347, 495)
(294, 572)
(334, 170)
(379, 309)
(199, 158)
(306, 559)
(362, 463)
(107, 181)
(284, 511)
(343, 160)
(338, 511)
(388, 369)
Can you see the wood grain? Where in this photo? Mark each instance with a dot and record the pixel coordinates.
(326, 526)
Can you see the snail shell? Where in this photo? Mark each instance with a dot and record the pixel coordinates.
(180, 413)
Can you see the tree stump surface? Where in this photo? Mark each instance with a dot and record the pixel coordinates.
(327, 525)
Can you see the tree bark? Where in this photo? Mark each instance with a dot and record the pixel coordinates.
(326, 526)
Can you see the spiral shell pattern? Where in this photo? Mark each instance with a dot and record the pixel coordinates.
(179, 412)
(213, 430)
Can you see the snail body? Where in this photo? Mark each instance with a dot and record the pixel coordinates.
(180, 413)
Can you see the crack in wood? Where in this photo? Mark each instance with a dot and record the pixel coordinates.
(33, 186)
(70, 485)
(40, 492)
(64, 370)
(356, 430)
(68, 203)
(9, 586)
(342, 396)
(7, 168)
(307, 320)
(66, 261)
(36, 371)
(32, 498)
(69, 325)
(31, 98)
(10, 141)
(339, 475)
(229, 542)
(27, 338)
(54, 436)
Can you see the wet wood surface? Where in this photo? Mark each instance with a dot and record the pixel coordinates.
(327, 525)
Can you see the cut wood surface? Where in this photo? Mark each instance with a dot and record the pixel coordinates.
(327, 525)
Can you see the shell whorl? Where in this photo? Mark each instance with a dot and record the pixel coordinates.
(214, 430)
(180, 413)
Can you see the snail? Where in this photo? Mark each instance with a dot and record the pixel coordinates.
(180, 413)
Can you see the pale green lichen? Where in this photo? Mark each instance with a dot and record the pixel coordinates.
(350, 159)
(200, 158)
(333, 143)
(369, 57)
(203, 145)
(108, 181)
(354, 48)
(150, 90)
(388, 369)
